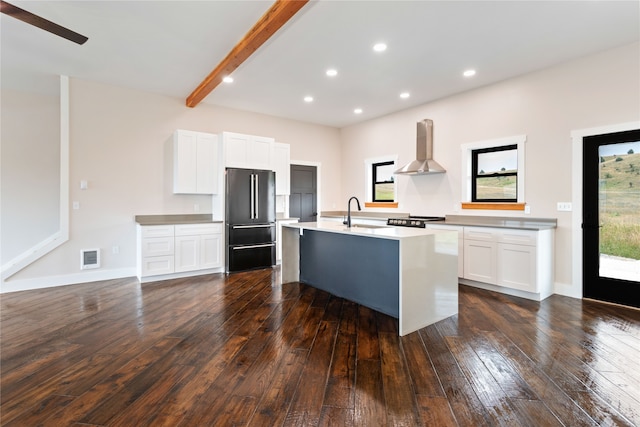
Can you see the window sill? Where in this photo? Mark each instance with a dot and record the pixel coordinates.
(381, 205)
(494, 206)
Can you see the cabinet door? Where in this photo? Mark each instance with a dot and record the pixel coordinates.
(211, 251)
(187, 251)
(480, 260)
(184, 161)
(206, 164)
(259, 154)
(195, 167)
(235, 148)
(281, 165)
(517, 267)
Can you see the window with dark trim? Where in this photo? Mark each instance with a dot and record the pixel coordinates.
(383, 186)
(495, 174)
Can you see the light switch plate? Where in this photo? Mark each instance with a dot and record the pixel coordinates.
(565, 206)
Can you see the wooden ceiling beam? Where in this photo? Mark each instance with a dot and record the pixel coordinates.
(277, 15)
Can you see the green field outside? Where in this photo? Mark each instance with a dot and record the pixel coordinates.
(385, 191)
(496, 187)
(620, 206)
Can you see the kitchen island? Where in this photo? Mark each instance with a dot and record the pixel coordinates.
(407, 273)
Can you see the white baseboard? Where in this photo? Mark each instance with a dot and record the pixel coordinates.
(147, 279)
(63, 280)
(567, 290)
(503, 290)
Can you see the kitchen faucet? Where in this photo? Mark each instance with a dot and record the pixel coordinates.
(348, 221)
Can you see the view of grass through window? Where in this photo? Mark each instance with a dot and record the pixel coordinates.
(496, 187)
(496, 174)
(619, 199)
(383, 182)
(384, 192)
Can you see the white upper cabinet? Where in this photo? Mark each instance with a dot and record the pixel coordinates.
(281, 165)
(247, 151)
(195, 162)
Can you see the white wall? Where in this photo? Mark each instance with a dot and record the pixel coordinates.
(546, 106)
(120, 145)
(30, 159)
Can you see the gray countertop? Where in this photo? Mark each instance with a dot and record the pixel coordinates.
(501, 222)
(174, 219)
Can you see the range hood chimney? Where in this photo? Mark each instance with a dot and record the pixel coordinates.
(424, 163)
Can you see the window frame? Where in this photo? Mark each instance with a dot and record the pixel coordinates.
(374, 181)
(475, 175)
(466, 156)
(368, 182)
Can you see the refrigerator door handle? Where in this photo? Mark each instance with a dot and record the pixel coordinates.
(252, 195)
(255, 194)
(253, 226)
(237, 248)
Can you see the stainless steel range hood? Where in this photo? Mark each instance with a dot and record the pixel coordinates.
(424, 163)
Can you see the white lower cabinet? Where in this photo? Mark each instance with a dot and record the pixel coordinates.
(517, 267)
(198, 246)
(170, 249)
(480, 261)
(515, 259)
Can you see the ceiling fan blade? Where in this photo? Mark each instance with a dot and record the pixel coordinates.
(35, 20)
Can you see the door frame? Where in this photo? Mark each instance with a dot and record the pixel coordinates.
(318, 166)
(575, 289)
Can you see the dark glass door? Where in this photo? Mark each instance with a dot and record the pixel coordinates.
(611, 217)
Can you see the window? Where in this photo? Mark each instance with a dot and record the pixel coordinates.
(383, 189)
(495, 174)
(380, 185)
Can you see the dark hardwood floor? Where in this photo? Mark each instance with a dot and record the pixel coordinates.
(243, 350)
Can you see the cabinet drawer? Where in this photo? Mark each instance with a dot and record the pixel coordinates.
(152, 266)
(197, 229)
(518, 237)
(156, 246)
(157, 231)
(478, 233)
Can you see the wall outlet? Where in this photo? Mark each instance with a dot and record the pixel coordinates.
(76, 205)
(196, 208)
(115, 250)
(565, 206)
(527, 209)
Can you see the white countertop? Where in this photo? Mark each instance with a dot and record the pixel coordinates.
(395, 233)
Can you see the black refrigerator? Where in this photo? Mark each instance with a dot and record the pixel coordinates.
(250, 219)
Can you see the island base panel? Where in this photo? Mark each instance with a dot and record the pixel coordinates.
(361, 269)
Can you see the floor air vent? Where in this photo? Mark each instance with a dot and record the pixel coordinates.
(89, 258)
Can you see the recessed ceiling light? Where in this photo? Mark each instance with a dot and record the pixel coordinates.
(308, 99)
(379, 47)
(404, 95)
(332, 72)
(228, 79)
(358, 111)
(469, 73)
